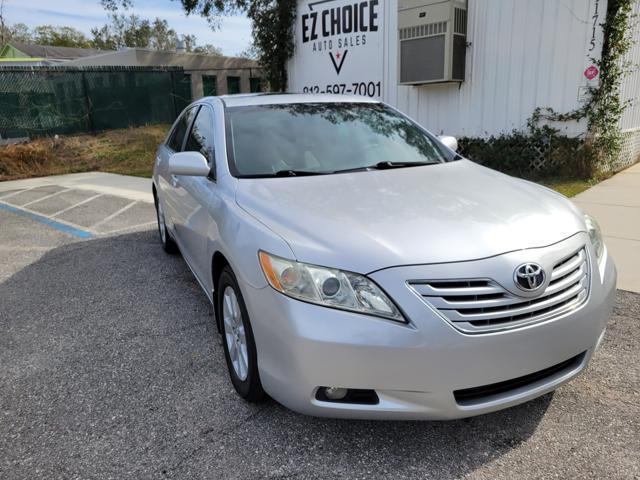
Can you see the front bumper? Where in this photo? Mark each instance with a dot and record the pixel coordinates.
(414, 368)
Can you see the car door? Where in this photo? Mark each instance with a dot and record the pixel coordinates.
(193, 195)
(169, 195)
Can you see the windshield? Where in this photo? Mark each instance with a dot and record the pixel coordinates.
(322, 138)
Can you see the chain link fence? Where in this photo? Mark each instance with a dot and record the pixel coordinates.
(40, 101)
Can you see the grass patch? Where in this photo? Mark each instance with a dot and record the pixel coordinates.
(569, 187)
(128, 151)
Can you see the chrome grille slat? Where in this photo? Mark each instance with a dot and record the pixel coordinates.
(480, 305)
(428, 290)
(572, 278)
(456, 316)
(486, 326)
(568, 265)
(446, 304)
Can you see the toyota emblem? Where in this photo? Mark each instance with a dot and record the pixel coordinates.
(529, 277)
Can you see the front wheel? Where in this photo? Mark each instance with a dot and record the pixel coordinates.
(239, 344)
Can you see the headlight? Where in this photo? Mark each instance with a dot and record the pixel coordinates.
(328, 287)
(593, 229)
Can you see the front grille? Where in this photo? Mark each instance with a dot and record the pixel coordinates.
(470, 396)
(483, 305)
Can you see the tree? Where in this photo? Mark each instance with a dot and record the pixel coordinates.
(123, 31)
(113, 5)
(133, 31)
(19, 32)
(273, 22)
(251, 52)
(162, 36)
(103, 38)
(208, 49)
(58, 36)
(3, 27)
(190, 42)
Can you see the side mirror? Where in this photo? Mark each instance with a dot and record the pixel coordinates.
(192, 164)
(450, 142)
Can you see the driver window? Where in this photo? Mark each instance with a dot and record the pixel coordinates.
(177, 137)
(200, 138)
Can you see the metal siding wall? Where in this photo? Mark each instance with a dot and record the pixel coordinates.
(524, 54)
(630, 89)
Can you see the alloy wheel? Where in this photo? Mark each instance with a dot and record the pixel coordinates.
(234, 333)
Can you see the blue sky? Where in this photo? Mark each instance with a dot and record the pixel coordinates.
(233, 36)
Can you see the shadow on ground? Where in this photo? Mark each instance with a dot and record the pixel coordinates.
(110, 366)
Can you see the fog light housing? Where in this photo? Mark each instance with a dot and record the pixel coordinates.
(335, 393)
(347, 395)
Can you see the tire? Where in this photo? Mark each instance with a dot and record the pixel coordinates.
(237, 338)
(168, 244)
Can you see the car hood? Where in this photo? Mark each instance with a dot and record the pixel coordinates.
(366, 221)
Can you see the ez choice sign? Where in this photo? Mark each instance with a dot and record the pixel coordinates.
(338, 47)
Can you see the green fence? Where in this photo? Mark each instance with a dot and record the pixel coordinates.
(38, 101)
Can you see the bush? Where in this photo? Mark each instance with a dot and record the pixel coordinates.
(539, 153)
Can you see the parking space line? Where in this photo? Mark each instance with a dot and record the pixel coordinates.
(132, 227)
(61, 227)
(87, 200)
(2, 197)
(48, 196)
(113, 215)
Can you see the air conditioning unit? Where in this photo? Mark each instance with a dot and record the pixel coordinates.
(433, 41)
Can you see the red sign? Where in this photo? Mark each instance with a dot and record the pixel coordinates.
(591, 72)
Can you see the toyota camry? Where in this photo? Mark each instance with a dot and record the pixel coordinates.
(359, 267)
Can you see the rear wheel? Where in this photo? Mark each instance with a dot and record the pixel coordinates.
(168, 243)
(239, 344)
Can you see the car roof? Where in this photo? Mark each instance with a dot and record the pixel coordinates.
(251, 99)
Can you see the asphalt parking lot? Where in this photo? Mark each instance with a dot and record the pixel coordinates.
(110, 367)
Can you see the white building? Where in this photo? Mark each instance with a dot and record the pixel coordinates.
(477, 67)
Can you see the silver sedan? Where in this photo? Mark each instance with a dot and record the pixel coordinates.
(359, 267)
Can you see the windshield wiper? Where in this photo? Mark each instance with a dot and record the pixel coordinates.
(308, 173)
(388, 165)
(296, 173)
(385, 166)
(356, 169)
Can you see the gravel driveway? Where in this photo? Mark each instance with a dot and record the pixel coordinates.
(110, 367)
